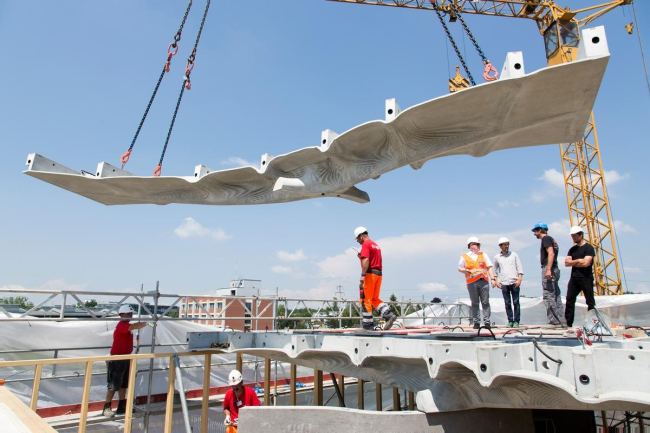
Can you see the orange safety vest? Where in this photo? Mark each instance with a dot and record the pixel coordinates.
(472, 265)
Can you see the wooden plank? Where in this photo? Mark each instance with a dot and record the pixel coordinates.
(379, 401)
(411, 400)
(169, 410)
(239, 363)
(360, 394)
(206, 393)
(130, 396)
(267, 381)
(397, 406)
(85, 398)
(294, 378)
(318, 388)
(20, 413)
(38, 371)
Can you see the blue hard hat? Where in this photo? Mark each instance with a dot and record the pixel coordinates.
(540, 225)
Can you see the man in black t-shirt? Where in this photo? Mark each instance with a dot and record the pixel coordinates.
(580, 257)
(550, 276)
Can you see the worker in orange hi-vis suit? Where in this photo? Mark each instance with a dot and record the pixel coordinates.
(370, 281)
(477, 268)
(236, 398)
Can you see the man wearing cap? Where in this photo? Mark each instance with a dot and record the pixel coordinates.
(550, 276)
(508, 273)
(118, 371)
(580, 258)
(477, 269)
(237, 397)
(370, 282)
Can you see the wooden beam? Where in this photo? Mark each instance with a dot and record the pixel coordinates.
(85, 397)
(169, 410)
(360, 394)
(38, 371)
(411, 400)
(380, 404)
(239, 363)
(294, 377)
(342, 388)
(397, 406)
(130, 395)
(318, 387)
(22, 413)
(206, 393)
(267, 381)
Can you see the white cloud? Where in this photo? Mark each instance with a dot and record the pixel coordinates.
(432, 287)
(553, 177)
(508, 203)
(60, 284)
(488, 211)
(613, 176)
(621, 227)
(291, 257)
(281, 269)
(632, 270)
(235, 161)
(190, 228)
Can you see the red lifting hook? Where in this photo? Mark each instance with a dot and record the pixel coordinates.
(489, 68)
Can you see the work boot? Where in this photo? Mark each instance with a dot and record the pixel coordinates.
(368, 327)
(121, 408)
(389, 322)
(477, 325)
(487, 325)
(107, 412)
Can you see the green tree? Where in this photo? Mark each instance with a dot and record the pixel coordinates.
(89, 304)
(24, 303)
(396, 308)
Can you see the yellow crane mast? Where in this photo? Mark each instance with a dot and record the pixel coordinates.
(581, 163)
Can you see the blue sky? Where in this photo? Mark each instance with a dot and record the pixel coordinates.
(269, 77)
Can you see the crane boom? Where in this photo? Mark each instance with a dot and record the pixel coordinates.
(581, 162)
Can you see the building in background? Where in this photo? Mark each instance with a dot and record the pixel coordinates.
(234, 307)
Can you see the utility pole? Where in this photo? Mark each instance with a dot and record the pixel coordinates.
(339, 292)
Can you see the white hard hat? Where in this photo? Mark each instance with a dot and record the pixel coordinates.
(576, 229)
(234, 378)
(473, 240)
(359, 230)
(125, 309)
(503, 240)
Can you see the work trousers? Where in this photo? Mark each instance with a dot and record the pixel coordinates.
(575, 286)
(371, 289)
(552, 297)
(479, 291)
(511, 297)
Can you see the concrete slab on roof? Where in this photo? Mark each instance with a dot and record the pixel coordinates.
(508, 372)
(548, 106)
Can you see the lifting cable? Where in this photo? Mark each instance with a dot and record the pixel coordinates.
(453, 43)
(171, 52)
(186, 85)
(489, 69)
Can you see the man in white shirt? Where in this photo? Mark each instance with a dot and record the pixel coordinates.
(477, 269)
(508, 271)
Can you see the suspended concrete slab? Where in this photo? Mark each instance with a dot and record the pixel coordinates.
(548, 106)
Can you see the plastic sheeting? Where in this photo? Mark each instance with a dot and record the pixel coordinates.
(94, 338)
(625, 309)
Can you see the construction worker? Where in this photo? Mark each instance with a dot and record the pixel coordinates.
(236, 398)
(477, 269)
(550, 276)
(118, 371)
(508, 273)
(580, 257)
(370, 282)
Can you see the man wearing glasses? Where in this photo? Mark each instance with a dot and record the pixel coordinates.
(550, 276)
(236, 398)
(580, 258)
